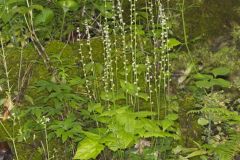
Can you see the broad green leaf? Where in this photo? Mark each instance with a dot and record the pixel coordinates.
(112, 96)
(127, 121)
(140, 32)
(95, 107)
(88, 149)
(133, 90)
(220, 71)
(143, 114)
(105, 9)
(68, 5)
(44, 17)
(111, 113)
(141, 68)
(118, 140)
(37, 7)
(203, 121)
(143, 96)
(129, 88)
(91, 135)
(143, 14)
(204, 84)
(166, 124)
(149, 125)
(76, 81)
(200, 76)
(158, 134)
(89, 67)
(196, 153)
(172, 42)
(172, 117)
(221, 82)
(98, 68)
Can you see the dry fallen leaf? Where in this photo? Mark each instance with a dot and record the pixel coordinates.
(8, 106)
(141, 145)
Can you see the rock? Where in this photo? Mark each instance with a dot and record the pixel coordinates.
(5, 151)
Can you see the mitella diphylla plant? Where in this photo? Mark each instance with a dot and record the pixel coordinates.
(91, 79)
(132, 76)
(117, 98)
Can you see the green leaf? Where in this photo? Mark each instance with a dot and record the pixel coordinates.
(143, 114)
(92, 136)
(95, 107)
(196, 153)
(88, 149)
(9, 2)
(143, 96)
(118, 140)
(141, 68)
(112, 96)
(37, 7)
(105, 9)
(127, 121)
(98, 68)
(44, 17)
(203, 121)
(149, 125)
(200, 76)
(204, 84)
(29, 99)
(2, 101)
(220, 71)
(221, 82)
(166, 124)
(129, 88)
(7, 17)
(159, 134)
(110, 113)
(172, 42)
(68, 5)
(76, 81)
(172, 117)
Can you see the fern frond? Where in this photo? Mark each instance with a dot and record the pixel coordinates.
(229, 149)
(222, 113)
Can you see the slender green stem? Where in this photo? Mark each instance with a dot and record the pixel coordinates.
(5, 64)
(64, 16)
(185, 31)
(15, 148)
(5, 129)
(46, 139)
(12, 139)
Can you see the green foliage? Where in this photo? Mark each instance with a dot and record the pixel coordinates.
(173, 43)
(220, 71)
(45, 17)
(208, 81)
(66, 129)
(88, 149)
(102, 74)
(214, 112)
(124, 128)
(229, 149)
(203, 121)
(68, 5)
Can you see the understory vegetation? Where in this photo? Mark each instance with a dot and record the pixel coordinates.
(120, 79)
